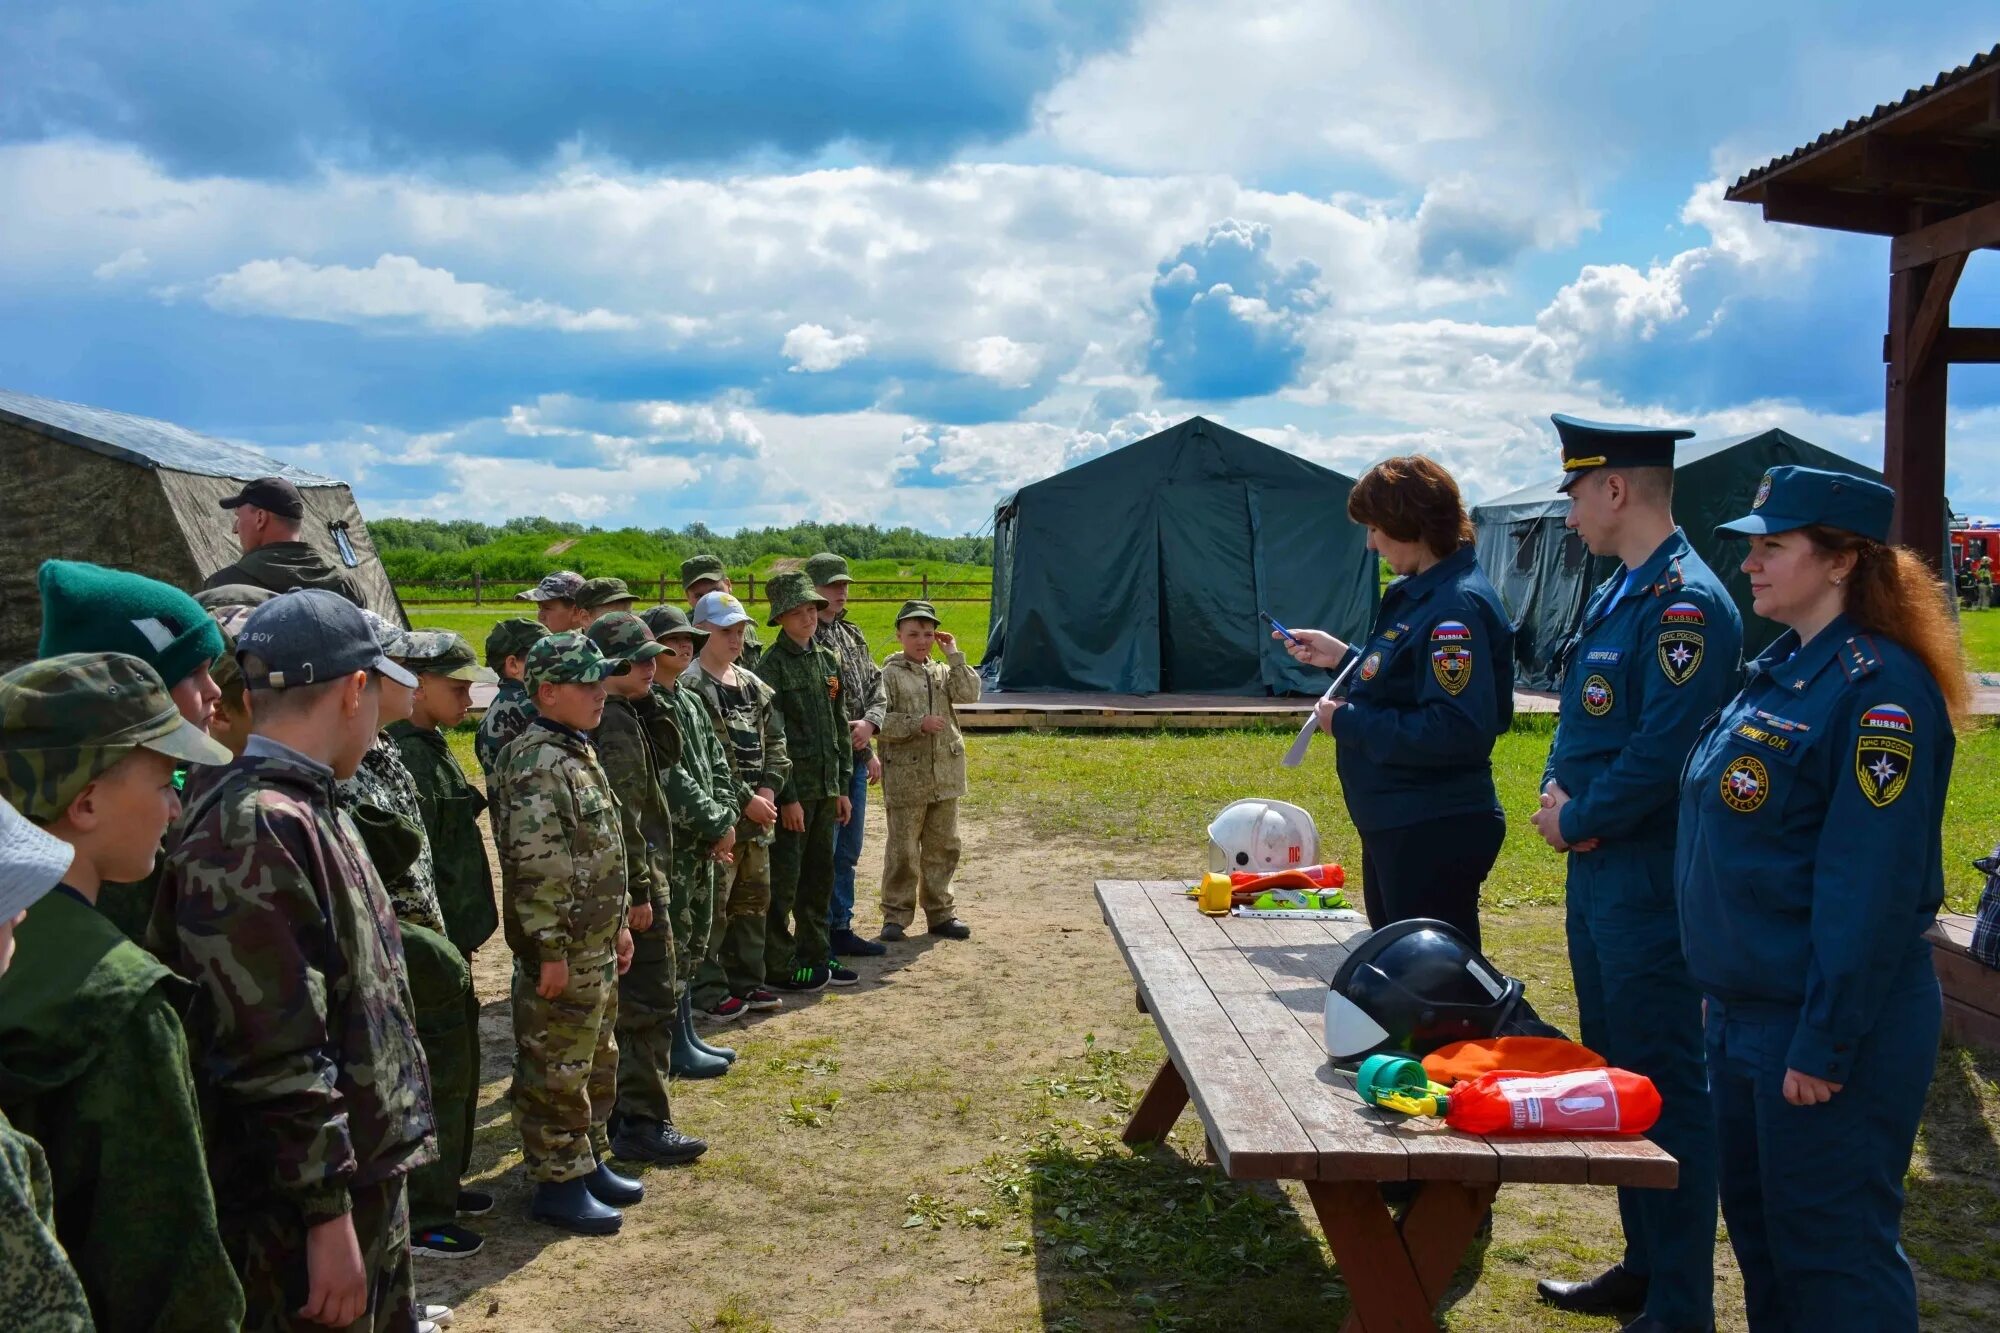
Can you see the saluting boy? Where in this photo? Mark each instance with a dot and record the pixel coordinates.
(923, 773)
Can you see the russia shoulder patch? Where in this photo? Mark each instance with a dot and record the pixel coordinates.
(1888, 717)
(1451, 655)
(1882, 765)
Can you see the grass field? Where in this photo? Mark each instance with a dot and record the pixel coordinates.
(938, 1148)
(1982, 639)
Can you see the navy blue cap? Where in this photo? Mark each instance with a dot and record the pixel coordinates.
(1589, 445)
(1797, 497)
(308, 637)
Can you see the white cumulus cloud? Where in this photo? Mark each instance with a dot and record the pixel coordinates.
(999, 358)
(394, 288)
(814, 348)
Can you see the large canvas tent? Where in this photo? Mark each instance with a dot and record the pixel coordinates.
(1545, 575)
(82, 483)
(1143, 571)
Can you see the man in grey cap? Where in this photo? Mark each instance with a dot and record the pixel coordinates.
(555, 602)
(268, 514)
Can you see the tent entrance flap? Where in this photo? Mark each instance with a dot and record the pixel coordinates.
(1208, 612)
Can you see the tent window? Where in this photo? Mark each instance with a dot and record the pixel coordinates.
(1572, 553)
(345, 547)
(1524, 547)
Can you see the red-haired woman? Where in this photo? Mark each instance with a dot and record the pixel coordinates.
(1434, 687)
(1809, 866)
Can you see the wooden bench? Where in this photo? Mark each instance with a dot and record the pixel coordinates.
(1239, 1002)
(1971, 989)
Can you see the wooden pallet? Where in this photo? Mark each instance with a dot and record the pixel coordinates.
(1971, 989)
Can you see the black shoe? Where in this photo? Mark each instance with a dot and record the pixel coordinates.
(952, 929)
(1613, 1291)
(570, 1205)
(847, 944)
(836, 975)
(893, 933)
(608, 1187)
(474, 1203)
(448, 1241)
(1645, 1323)
(655, 1142)
(687, 1025)
(803, 979)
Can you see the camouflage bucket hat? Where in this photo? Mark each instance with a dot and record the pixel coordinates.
(623, 637)
(789, 592)
(569, 658)
(437, 652)
(511, 638)
(668, 622)
(916, 609)
(698, 567)
(827, 568)
(561, 586)
(601, 592)
(65, 720)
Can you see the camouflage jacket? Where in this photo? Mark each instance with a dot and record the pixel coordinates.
(38, 1288)
(451, 807)
(307, 1042)
(506, 717)
(562, 857)
(754, 734)
(807, 683)
(632, 767)
(384, 782)
(919, 767)
(703, 800)
(860, 679)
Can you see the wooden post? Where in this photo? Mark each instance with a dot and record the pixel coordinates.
(927, 587)
(1913, 434)
(476, 589)
(751, 579)
(663, 587)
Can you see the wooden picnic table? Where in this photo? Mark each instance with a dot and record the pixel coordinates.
(1239, 1003)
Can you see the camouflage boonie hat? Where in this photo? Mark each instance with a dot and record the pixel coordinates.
(624, 637)
(670, 622)
(569, 658)
(789, 592)
(917, 609)
(600, 592)
(698, 567)
(438, 652)
(511, 638)
(65, 720)
(827, 568)
(561, 586)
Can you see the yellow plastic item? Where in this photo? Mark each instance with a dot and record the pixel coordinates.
(1215, 894)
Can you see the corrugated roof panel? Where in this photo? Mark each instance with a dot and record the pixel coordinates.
(147, 442)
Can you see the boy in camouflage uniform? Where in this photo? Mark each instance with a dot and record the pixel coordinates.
(638, 744)
(93, 1059)
(555, 601)
(863, 701)
(814, 803)
(923, 773)
(383, 782)
(307, 1047)
(730, 979)
(511, 710)
(563, 896)
(703, 574)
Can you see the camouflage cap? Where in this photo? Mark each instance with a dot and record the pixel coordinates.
(826, 569)
(391, 638)
(439, 652)
(569, 658)
(670, 621)
(511, 638)
(602, 592)
(917, 609)
(790, 591)
(65, 720)
(623, 637)
(698, 567)
(233, 594)
(561, 586)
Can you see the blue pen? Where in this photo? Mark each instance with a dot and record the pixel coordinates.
(1280, 628)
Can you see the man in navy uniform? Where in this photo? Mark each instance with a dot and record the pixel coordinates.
(1660, 649)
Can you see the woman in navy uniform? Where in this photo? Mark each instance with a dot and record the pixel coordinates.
(1808, 868)
(1433, 688)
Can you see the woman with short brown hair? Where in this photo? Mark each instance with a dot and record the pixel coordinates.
(1434, 686)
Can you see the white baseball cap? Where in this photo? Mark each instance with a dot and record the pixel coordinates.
(31, 862)
(720, 609)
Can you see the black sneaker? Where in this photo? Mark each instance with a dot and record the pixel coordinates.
(474, 1203)
(449, 1241)
(893, 933)
(952, 929)
(762, 999)
(836, 975)
(847, 944)
(804, 978)
(656, 1142)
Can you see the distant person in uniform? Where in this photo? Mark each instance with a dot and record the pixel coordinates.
(1982, 582)
(863, 702)
(1809, 866)
(555, 602)
(602, 597)
(511, 711)
(267, 514)
(703, 574)
(923, 774)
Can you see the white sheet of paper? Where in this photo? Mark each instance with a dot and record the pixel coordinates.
(1297, 754)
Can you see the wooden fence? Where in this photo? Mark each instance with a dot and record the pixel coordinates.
(479, 591)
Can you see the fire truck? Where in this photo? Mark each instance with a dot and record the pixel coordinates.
(1971, 540)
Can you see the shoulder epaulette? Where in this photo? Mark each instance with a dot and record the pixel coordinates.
(1671, 581)
(1859, 658)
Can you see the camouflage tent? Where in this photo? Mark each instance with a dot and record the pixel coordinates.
(82, 483)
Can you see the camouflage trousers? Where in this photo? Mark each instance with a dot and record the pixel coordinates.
(268, 1247)
(802, 892)
(734, 961)
(648, 1001)
(452, 1051)
(565, 1068)
(920, 856)
(691, 888)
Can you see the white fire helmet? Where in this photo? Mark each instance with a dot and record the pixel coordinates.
(1259, 835)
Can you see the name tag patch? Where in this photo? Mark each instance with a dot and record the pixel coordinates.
(1604, 657)
(1765, 736)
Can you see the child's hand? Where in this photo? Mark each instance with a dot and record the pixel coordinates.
(552, 983)
(843, 809)
(931, 725)
(761, 810)
(623, 950)
(874, 769)
(793, 816)
(640, 918)
(947, 641)
(720, 849)
(336, 1286)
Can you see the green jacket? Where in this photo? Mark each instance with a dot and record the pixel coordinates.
(807, 683)
(450, 806)
(702, 795)
(94, 1065)
(634, 772)
(283, 566)
(38, 1288)
(506, 717)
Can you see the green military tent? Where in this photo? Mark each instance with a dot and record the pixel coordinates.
(1545, 576)
(1142, 572)
(83, 483)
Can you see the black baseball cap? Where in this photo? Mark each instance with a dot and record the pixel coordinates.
(310, 636)
(272, 493)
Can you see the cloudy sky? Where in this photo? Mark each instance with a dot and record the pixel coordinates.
(756, 261)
